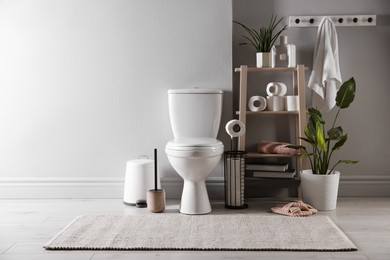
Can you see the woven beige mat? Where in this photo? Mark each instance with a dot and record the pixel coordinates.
(204, 232)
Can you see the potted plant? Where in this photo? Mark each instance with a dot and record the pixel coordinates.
(320, 183)
(263, 40)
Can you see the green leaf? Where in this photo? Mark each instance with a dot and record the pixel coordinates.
(313, 111)
(348, 161)
(346, 93)
(340, 143)
(335, 133)
(250, 40)
(310, 133)
(307, 140)
(320, 137)
(296, 147)
(252, 33)
(316, 115)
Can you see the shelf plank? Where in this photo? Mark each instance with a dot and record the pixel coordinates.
(276, 69)
(268, 155)
(270, 113)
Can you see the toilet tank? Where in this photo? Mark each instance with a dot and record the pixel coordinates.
(195, 113)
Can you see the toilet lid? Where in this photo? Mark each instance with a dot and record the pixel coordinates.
(194, 91)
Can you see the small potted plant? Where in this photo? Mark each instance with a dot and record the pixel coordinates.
(320, 183)
(263, 40)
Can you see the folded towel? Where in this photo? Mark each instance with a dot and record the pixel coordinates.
(295, 209)
(275, 148)
(325, 78)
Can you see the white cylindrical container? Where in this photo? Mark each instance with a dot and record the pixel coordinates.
(320, 191)
(139, 179)
(263, 60)
(292, 103)
(275, 103)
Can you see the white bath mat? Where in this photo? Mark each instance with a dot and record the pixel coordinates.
(205, 232)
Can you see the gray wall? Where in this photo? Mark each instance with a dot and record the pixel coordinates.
(364, 55)
(83, 86)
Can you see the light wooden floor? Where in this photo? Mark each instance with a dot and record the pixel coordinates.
(25, 225)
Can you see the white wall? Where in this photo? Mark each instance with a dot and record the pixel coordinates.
(364, 55)
(83, 86)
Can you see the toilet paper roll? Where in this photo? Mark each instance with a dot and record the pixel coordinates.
(276, 89)
(252, 103)
(235, 128)
(292, 103)
(275, 103)
(272, 89)
(282, 89)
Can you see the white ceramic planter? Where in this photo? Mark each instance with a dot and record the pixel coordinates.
(263, 60)
(320, 191)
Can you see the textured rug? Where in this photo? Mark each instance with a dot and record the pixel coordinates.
(205, 232)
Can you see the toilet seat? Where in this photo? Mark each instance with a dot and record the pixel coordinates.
(194, 147)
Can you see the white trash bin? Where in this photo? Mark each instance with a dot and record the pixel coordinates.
(139, 179)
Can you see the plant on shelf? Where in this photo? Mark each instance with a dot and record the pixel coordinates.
(321, 140)
(263, 39)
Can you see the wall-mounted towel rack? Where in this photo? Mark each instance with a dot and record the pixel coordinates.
(339, 20)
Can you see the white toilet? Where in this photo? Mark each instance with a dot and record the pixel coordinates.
(195, 115)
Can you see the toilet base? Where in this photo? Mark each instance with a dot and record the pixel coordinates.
(195, 199)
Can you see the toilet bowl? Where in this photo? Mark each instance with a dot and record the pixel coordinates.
(194, 159)
(195, 115)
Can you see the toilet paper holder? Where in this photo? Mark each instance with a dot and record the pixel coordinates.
(234, 174)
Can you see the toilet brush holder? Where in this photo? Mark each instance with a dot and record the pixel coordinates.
(156, 200)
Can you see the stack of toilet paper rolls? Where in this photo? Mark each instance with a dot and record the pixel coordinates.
(276, 92)
(276, 99)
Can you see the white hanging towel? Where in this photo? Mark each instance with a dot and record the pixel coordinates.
(325, 79)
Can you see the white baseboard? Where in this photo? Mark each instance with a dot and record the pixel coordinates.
(69, 188)
(61, 188)
(89, 188)
(365, 185)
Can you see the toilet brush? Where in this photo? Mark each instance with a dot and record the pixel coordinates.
(155, 169)
(156, 197)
